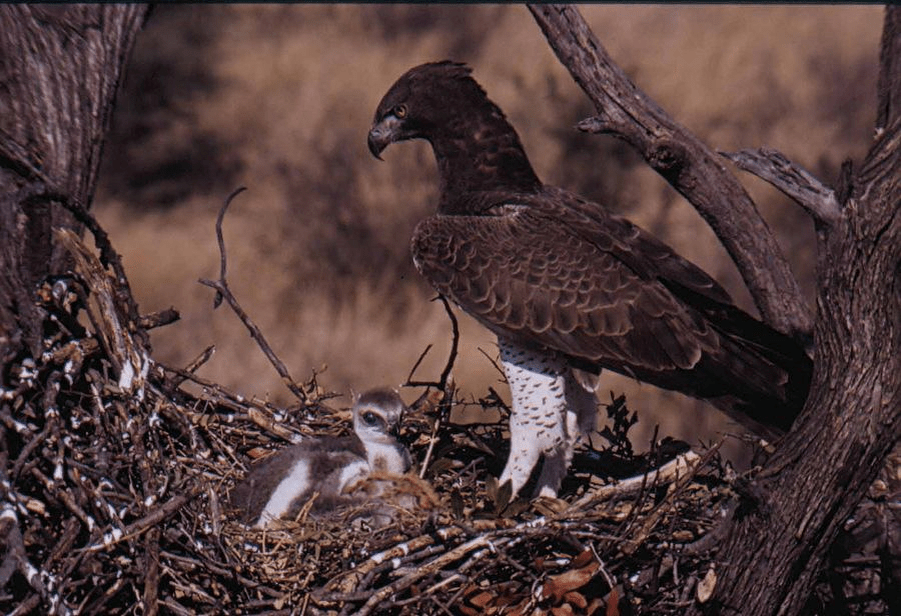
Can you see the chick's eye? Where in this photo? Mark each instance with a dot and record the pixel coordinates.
(400, 111)
(370, 418)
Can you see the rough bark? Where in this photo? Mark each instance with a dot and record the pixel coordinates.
(692, 168)
(779, 534)
(60, 67)
(852, 418)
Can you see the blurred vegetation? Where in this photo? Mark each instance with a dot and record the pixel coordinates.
(280, 97)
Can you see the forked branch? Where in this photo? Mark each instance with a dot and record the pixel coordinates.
(223, 292)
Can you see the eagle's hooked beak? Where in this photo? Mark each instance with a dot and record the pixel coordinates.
(376, 142)
(382, 134)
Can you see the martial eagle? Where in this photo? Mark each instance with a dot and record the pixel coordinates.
(570, 288)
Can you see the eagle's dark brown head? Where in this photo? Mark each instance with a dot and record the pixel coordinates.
(422, 101)
(476, 148)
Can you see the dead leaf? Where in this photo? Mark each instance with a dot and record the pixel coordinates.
(577, 599)
(503, 495)
(582, 559)
(508, 593)
(520, 610)
(547, 506)
(457, 504)
(612, 603)
(482, 599)
(491, 488)
(563, 610)
(558, 585)
(706, 586)
(594, 606)
(440, 465)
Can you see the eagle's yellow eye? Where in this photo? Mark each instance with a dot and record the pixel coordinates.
(400, 111)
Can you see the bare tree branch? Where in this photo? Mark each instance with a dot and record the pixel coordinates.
(815, 480)
(442, 383)
(795, 182)
(778, 537)
(222, 291)
(684, 161)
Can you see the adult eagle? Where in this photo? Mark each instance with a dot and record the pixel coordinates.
(570, 288)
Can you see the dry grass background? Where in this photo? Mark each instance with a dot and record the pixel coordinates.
(280, 97)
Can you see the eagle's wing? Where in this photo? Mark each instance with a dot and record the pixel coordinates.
(644, 254)
(578, 289)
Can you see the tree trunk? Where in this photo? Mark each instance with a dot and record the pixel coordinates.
(779, 535)
(852, 418)
(60, 67)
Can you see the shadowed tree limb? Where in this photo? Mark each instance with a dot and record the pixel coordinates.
(796, 183)
(684, 161)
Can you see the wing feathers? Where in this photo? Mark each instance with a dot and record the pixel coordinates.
(558, 272)
(524, 272)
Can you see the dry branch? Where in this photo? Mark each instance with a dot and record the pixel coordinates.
(130, 359)
(810, 490)
(795, 182)
(146, 508)
(222, 291)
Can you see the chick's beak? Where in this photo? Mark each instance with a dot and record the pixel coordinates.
(394, 430)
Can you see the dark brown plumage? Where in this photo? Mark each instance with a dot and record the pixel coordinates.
(552, 271)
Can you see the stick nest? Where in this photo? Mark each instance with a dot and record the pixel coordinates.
(114, 471)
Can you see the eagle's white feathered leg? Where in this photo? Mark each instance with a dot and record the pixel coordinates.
(581, 412)
(550, 411)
